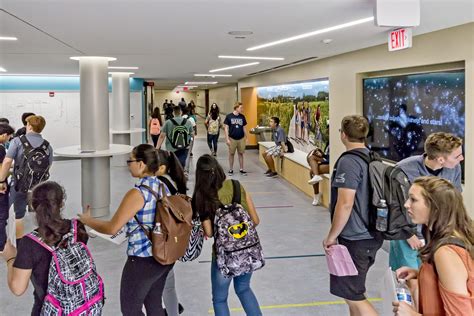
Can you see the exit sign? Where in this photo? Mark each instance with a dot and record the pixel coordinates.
(399, 39)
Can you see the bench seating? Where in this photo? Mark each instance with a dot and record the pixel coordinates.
(294, 168)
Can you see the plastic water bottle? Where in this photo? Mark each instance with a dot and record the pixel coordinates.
(157, 229)
(382, 214)
(403, 293)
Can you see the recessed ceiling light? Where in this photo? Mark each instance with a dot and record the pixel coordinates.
(211, 75)
(233, 67)
(326, 41)
(240, 33)
(43, 75)
(120, 67)
(2, 69)
(200, 82)
(120, 73)
(8, 38)
(313, 33)
(251, 57)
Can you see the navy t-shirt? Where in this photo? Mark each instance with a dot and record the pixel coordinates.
(236, 125)
(279, 135)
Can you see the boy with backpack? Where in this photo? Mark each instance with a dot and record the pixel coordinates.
(442, 158)
(178, 132)
(33, 156)
(350, 214)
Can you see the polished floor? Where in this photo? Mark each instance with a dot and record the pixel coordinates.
(293, 282)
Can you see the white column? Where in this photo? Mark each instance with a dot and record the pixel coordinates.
(121, 107)
(95, 135)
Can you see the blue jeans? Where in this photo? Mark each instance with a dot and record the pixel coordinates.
(220, 292)
(182, 155)
(212, 142)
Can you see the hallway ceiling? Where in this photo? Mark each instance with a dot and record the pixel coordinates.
(172, 40)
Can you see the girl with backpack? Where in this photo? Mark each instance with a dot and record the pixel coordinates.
(211, 191)
(446, 276)
(171, 173)
(154, 126)
(143, 278)
(213, 125)
(33, 259)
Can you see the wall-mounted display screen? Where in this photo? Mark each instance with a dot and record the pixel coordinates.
(403, 110)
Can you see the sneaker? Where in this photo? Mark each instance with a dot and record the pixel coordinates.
(316, 201)
(242, 172)
(214, 153)
(231, 172)
(272, 175)
(315, 179)
(267, 172)
(180, 308)
(190, 154)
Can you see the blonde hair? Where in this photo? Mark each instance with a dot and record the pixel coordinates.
(448, 216)
(237, 104)
(37, 123)
(356, 128)
(441, 144)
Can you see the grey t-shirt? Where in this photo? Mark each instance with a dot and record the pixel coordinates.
(279, 135)
(351, 172)
(15, 151)
(168, 128)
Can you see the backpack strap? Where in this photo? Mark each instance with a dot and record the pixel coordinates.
(27, 147)
(183, 122)
(236, 195)
(174, 121)
(168, 183)
(35, 237)
(157, 197)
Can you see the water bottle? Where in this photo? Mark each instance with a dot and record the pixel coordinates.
(382, 216)
(403, 293)
(157, 229)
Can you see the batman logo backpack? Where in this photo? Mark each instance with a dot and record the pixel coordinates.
(238, 248)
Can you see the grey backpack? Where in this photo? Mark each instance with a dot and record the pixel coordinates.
(238, 248)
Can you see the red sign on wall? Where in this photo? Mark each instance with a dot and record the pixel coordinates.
(51, 94)
(399, 39)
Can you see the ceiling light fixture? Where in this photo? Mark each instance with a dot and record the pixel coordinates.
(236, 66)
(120, 67)
(8, 38)
(42, 75)
(317, 32)
(2, 69)
(199, 82)
(251, 57)
(120, 73)
(211, 75)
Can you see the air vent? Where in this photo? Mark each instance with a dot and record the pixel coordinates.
(284, 65)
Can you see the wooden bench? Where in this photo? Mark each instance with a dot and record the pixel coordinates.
(294, 168)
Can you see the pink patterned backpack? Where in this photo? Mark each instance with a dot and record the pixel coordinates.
(74, 287)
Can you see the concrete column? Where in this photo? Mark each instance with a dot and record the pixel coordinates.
(95, 135)
(121, 106)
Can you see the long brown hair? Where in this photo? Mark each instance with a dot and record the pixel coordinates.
(448, 216)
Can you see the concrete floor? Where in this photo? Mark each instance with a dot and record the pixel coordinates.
(293, 282)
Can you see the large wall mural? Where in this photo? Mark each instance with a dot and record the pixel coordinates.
(303, 109)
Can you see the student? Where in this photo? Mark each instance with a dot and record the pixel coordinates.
(236, 136)
(165, 105)
(171, 173)
(154, 125)
(350, 216)
(182, 104)
(4, 120)
(168, 109)
(18, 193)
(210, 191)
(213, 126)
(279, 137)
(143, 278)
(6, 133)
(30, 261)
(167, 133)
(442, 157)
(191, 118)
(446, 277)
(22, 130)
(319, 164)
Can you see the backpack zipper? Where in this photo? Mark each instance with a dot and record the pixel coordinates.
(250, 246)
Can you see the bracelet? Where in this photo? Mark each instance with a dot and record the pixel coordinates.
(12, 258)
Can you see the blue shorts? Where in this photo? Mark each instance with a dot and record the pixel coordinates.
(401, 255)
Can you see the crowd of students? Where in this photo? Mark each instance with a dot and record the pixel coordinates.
(437, 260)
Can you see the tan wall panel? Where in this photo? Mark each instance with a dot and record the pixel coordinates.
(249, 100)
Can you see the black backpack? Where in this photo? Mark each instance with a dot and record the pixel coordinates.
(289, 146)
(391, 184)
(179, 135)
(34, 167)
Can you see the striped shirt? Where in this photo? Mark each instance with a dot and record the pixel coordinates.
(138, 243)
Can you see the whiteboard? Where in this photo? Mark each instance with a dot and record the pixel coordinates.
(62, 114)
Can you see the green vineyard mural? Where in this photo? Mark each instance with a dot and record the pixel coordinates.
(303, 109)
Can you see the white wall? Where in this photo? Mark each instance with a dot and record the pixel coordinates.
(225, 97)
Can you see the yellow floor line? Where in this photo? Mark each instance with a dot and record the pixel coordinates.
(322, 303)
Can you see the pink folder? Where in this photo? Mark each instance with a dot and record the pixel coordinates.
(340, 262)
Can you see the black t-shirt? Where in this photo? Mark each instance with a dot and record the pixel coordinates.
(3, 152)
(434, 172)
(20, 131)
(3, 197)
(33, 256)
(236, 125)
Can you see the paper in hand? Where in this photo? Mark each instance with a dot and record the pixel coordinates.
(11, 226)
(117, 239)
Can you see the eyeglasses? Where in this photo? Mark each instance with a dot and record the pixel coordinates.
(133, 160)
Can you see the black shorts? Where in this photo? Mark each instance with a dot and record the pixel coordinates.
(363, 254)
